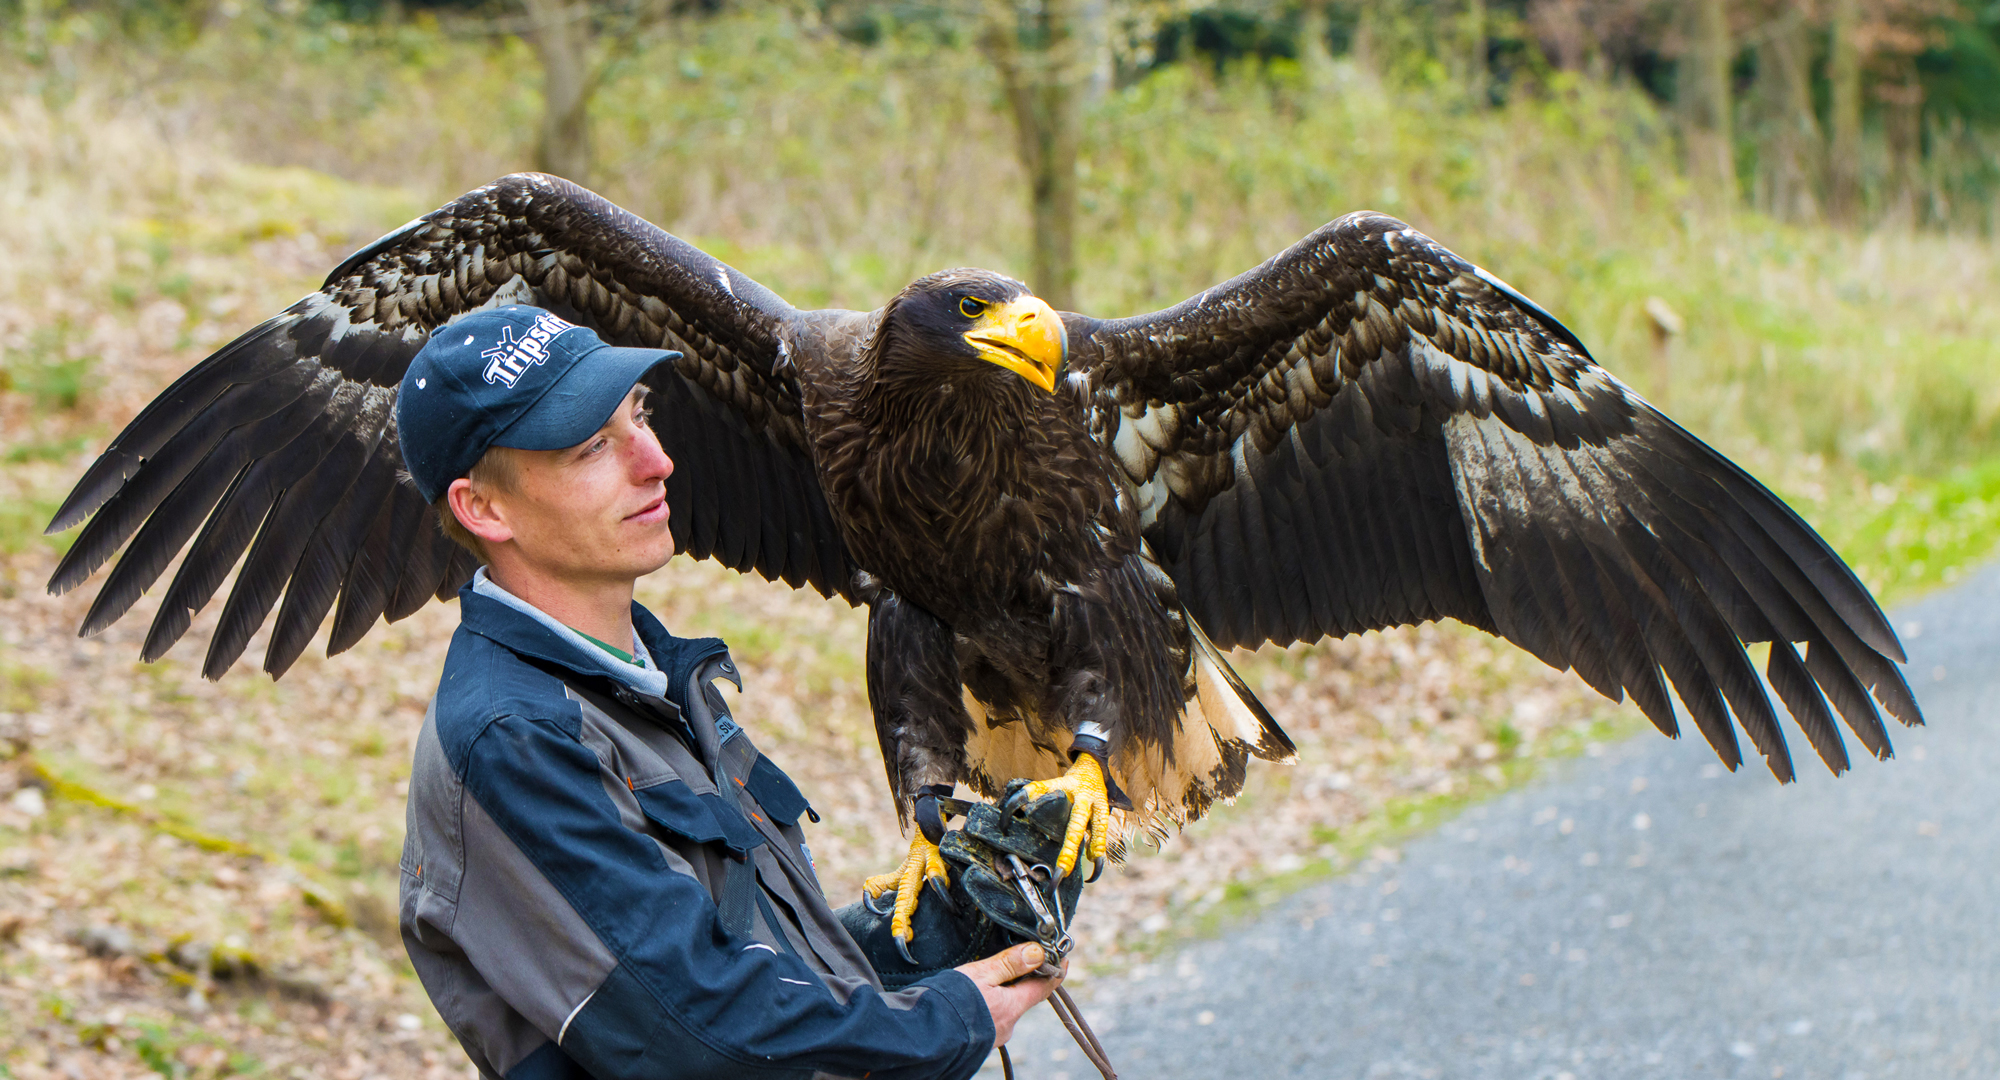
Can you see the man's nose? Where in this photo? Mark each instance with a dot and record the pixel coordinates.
(649, 460)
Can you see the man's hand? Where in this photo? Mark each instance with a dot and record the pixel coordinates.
(1009, 1003)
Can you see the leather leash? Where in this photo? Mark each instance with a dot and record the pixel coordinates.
(1056, 944)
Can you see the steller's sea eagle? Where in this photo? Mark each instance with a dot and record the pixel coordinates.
(1057, 522)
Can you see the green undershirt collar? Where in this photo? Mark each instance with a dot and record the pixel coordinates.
(607, 647)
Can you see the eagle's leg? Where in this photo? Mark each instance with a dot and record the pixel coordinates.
(924, 865)
(1089, 790)
(922, 724)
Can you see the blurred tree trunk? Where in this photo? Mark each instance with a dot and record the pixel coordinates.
(1475, 51)
(1793, 150)
(1367, 46)
(1902, 128)
(1703, 92)
(1315, 55)
(559, 32)
(35, 29)
(1843, 75)
(1557, 26)
(1035, 46)
(1096, 44)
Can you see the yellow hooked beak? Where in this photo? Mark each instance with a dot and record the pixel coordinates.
(1023, 335)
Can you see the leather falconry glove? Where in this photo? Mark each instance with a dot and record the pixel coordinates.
(987, 909)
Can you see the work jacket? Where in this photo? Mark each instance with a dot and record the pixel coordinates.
(602, 882)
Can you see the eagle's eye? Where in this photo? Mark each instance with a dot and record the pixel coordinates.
(971, 306)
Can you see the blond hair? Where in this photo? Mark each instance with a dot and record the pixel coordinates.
(495, 469)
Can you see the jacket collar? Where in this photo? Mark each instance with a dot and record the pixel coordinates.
(520, 633)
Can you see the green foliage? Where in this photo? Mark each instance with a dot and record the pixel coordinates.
(155, 1048)
(51, 369)
(1961, 76)
(1927, 532)
(21, 523)
(21, 685)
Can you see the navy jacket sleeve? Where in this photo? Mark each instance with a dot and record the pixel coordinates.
(681, 996)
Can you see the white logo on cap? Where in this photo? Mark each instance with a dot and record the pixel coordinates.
(509, 360)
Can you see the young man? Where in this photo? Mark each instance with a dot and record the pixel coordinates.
(603, 876)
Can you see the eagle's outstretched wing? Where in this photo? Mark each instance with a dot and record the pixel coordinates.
(284, 441)
(1369, 431)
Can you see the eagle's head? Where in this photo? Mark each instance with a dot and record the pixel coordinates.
(956, 320)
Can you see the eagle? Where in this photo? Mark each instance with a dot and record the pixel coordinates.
(1058, 523)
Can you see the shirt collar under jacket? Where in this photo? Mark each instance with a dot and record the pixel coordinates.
(643, 677)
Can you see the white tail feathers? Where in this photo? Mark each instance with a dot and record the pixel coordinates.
(1221, 727)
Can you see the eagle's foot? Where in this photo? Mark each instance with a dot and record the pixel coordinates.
(1089, 812)
(924, 865)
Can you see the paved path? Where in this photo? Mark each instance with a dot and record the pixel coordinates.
(1638, 914)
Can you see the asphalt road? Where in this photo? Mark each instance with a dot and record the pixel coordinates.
(1641, 913)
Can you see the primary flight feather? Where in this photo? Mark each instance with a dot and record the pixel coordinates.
(1057, 522)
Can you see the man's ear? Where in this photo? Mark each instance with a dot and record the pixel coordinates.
(475, 508)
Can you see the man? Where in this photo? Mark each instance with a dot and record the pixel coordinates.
(603, 876)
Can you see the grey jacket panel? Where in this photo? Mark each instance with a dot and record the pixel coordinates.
(494, 1034)
(505, 903)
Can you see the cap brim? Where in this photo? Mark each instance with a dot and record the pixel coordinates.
(583, 399)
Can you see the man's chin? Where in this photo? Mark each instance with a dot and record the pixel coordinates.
(652, 558)
(658, 563)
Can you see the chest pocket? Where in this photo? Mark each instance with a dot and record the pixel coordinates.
(775, 792)
(704, 819)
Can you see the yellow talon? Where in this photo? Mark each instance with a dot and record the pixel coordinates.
(924, 862)
(1089, 810)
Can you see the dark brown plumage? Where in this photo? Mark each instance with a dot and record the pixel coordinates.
(997, 527)
(1365, 431)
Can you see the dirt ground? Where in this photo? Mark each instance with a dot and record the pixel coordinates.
(198, 879)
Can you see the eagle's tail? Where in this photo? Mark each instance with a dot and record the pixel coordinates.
(1221, 727)
(1231, 710)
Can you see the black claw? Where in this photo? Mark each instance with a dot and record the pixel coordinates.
(868, 901)
(1013, 801)
(904, 948)
(942, 892)
(1096, 871)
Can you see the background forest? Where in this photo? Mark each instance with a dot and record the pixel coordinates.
(1777, 218)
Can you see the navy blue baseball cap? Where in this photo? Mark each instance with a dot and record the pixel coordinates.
(514, 376)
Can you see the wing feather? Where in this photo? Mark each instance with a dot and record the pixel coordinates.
(295, 521)
(201, 487)
(378, 565)
(246, 361)
(323, 564)
(281, 444)
(240, 514)
(1369, 431)
(121, 511)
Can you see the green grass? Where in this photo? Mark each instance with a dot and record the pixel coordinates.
(21, 524)
(1929, 532)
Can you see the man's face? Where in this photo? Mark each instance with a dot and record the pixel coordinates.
(598, 510)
